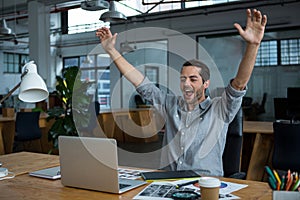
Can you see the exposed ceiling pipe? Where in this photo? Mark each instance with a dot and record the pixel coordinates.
(164, 2)
(24, 14)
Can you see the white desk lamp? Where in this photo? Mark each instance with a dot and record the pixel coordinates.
(32, 86)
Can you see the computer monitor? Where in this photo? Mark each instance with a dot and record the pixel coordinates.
(293, 99)
(281, 108)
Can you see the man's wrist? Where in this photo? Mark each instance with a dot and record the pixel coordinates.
(253, 45)
(113, 53)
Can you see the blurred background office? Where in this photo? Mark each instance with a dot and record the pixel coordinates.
(58, 34)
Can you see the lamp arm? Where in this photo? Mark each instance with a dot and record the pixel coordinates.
(10, 92)
(14, 89)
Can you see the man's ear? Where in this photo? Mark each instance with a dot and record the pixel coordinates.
(206, 84)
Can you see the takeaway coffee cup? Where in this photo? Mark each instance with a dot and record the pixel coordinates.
(209, 188)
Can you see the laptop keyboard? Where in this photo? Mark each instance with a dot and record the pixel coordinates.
(129, 173)
(121, 185)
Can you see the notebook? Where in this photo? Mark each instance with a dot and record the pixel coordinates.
(92, 163)
(49, 173)
(169, 175)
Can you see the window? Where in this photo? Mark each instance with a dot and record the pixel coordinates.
(90, 21)
(152, 73)
(94, 68)
(267, 54)
(290, 52)
(13, 62)
(71, 61)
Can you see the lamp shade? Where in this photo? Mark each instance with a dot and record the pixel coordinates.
(4, 30)
(33, 88)
(112, 15)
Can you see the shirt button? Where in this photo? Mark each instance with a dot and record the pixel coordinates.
(180, 162)
(182, 148)
(201, 118)
(176, 116)
(182, 133)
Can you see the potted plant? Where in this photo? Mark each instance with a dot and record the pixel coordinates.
(73, 94)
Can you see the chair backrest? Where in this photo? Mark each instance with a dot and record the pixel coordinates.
(286, 154)
(281, 108)
(27, 126)
(233, 146)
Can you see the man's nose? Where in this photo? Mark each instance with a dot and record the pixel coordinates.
(187, 82)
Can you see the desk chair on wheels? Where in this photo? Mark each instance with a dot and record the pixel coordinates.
(27, 132)
(286, 154)
(233, 148)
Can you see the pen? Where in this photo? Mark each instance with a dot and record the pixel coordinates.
(282, 182)
(276, 176)
(270, 173)
(289, 183)
(272, 183)
(278, 186)
(186, 183)
(296, 185)
(288, 178)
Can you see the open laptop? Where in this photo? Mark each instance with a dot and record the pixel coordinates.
(92, 163)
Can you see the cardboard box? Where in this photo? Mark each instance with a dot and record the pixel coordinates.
(8, 112)
(25, 109)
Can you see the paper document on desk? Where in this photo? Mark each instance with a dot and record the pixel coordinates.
(164, 190)
(129, 173)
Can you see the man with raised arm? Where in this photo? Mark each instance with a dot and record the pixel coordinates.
(196, 125)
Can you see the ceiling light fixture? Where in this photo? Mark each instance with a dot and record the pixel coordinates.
(125, 47)
(93, 5)
(4, 30)
(113, 15)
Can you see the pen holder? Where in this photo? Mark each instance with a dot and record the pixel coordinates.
(286, 195)
(288, 181)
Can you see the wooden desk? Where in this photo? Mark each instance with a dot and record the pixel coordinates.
(7, 133)
(121, 124)
(258, 138)
(26, 187)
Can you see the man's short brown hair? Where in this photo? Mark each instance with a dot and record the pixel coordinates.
(204, 72)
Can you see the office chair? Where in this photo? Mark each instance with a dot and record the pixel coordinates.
(281, 108)
(27, 132)
(232, 152)
(286, 146)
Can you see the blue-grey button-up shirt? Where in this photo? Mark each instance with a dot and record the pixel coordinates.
(193, 139)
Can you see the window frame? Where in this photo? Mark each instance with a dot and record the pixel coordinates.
(289, 57)
(96, 68)
(19, 60)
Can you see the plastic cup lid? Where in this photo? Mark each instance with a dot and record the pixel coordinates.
(209, 182)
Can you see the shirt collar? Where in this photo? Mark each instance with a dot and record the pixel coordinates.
(204, 104)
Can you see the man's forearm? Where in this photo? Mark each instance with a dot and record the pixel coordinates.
(246, 67)
(130, 72)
